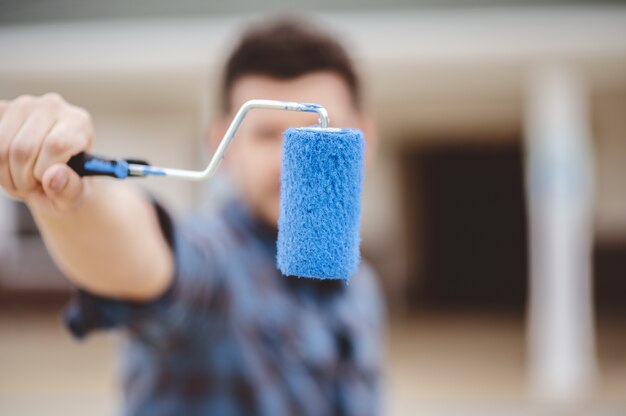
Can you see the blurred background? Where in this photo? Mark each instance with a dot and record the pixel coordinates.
(495, 213)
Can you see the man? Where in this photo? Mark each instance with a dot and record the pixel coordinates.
(211, 325)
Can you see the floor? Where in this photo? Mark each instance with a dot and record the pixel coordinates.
(438, 364)
(474, 364)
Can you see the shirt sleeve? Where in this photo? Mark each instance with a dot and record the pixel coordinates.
(191, 297)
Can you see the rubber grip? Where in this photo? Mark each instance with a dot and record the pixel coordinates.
(86, 164)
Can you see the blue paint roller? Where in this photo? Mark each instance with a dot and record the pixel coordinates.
(320, 201)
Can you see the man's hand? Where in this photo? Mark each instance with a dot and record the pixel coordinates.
(38, 135)
(111, 243)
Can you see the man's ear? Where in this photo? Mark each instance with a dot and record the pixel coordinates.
(215, 133)
(370, 133)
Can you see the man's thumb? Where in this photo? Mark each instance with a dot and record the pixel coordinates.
(63, 186)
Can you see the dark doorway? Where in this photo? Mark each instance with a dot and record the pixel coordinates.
(609, 259)
(469, 217)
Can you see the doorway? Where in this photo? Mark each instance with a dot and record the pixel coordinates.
(466, 211)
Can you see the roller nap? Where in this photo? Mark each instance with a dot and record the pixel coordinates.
(320, 202)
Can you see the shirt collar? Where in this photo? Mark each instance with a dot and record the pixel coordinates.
(240, 214)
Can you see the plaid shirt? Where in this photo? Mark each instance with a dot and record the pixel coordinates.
(232, 336)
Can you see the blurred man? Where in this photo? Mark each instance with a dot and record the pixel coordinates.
(212, 327)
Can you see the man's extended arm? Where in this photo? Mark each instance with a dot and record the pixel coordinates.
(102, 233)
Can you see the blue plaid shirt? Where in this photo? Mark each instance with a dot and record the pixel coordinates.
(232, 336)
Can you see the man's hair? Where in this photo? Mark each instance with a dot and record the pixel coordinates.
(285, 49)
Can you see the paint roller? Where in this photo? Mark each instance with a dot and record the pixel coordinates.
(320, 191)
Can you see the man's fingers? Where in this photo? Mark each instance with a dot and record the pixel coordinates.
(63, 187)
(66, 138)
(3, 107)
(6, 182)
(25, 147)
(35, 134)
(12, 119)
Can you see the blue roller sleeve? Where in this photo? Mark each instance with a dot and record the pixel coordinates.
(320, 202)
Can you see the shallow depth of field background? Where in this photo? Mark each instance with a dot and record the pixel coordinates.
(495, 212)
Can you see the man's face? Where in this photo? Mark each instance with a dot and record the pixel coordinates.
(254, 156)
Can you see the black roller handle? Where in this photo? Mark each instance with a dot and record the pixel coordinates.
(86, 164)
